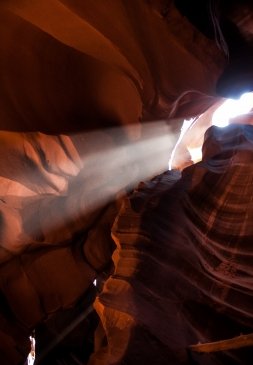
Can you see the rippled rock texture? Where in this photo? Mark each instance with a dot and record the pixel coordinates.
(183, 263)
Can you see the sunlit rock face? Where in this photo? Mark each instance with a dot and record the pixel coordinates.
(183, 263)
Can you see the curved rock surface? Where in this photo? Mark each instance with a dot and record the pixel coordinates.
(79, 66)
(183, 263)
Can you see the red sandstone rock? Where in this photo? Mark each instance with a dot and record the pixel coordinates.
(74, 66)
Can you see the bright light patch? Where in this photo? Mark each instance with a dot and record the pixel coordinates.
(196, 153)
(232, 108)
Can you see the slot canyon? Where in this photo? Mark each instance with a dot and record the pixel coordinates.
(117, 245)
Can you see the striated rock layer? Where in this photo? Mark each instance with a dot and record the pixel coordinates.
(183, 263)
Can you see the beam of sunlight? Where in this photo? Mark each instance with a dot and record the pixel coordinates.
(107, 173)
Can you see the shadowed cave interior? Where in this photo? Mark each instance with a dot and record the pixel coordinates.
(117, 245)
